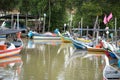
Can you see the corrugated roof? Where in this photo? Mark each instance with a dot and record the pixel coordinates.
(9, 31)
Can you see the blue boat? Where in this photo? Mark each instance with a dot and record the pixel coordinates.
(78, 44)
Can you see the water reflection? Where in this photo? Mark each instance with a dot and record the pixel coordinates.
(65, 47)
(48, 42)
(80, 67)
(10, 68)
(60, 62)
(76, 53)
(30, 44)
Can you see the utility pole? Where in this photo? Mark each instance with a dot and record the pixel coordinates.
(81, 25)
(116, 30)
(95, 27)
(49, 16)
(17, 20)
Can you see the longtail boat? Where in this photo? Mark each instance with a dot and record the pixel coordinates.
(79, 44)
(111, 49)
(11, 47)
(95, 49)
(45, 36)
(64, 38)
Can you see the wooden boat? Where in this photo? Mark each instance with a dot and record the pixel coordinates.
(10, 48)
(88, 46)
(111, 70)
(84, 40)
(95, 49)
(95, 52)
(45, 36)
(111, 50)
(64, 38)
(78, 44)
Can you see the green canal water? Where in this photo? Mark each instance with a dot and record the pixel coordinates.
(54, 60)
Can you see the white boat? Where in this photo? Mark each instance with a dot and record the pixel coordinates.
(45, 36)
(111, 70)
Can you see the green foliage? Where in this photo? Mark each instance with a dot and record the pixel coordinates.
(88, 11)
(8, 5)
(59, 11)
(58, 15)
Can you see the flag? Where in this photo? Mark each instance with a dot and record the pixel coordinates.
(105, 20)
(109, 17)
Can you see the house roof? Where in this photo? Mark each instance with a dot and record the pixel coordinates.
(9, 31)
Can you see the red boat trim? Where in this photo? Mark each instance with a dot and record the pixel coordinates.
(4, 51)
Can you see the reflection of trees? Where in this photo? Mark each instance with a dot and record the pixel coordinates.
(40, 64)
(68, 64)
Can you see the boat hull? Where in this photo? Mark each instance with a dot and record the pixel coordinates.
(78, 45)
(46, 38)
(7, 53)
(65, 40)
(111, 70)
(111, 73)
(95, 49)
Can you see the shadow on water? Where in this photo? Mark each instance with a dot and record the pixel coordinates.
(55, 60)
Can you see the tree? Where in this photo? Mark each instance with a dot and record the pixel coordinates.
(8, 5)
(88, 11)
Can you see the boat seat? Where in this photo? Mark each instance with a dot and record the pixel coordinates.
(17, 43)
(8, 44)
